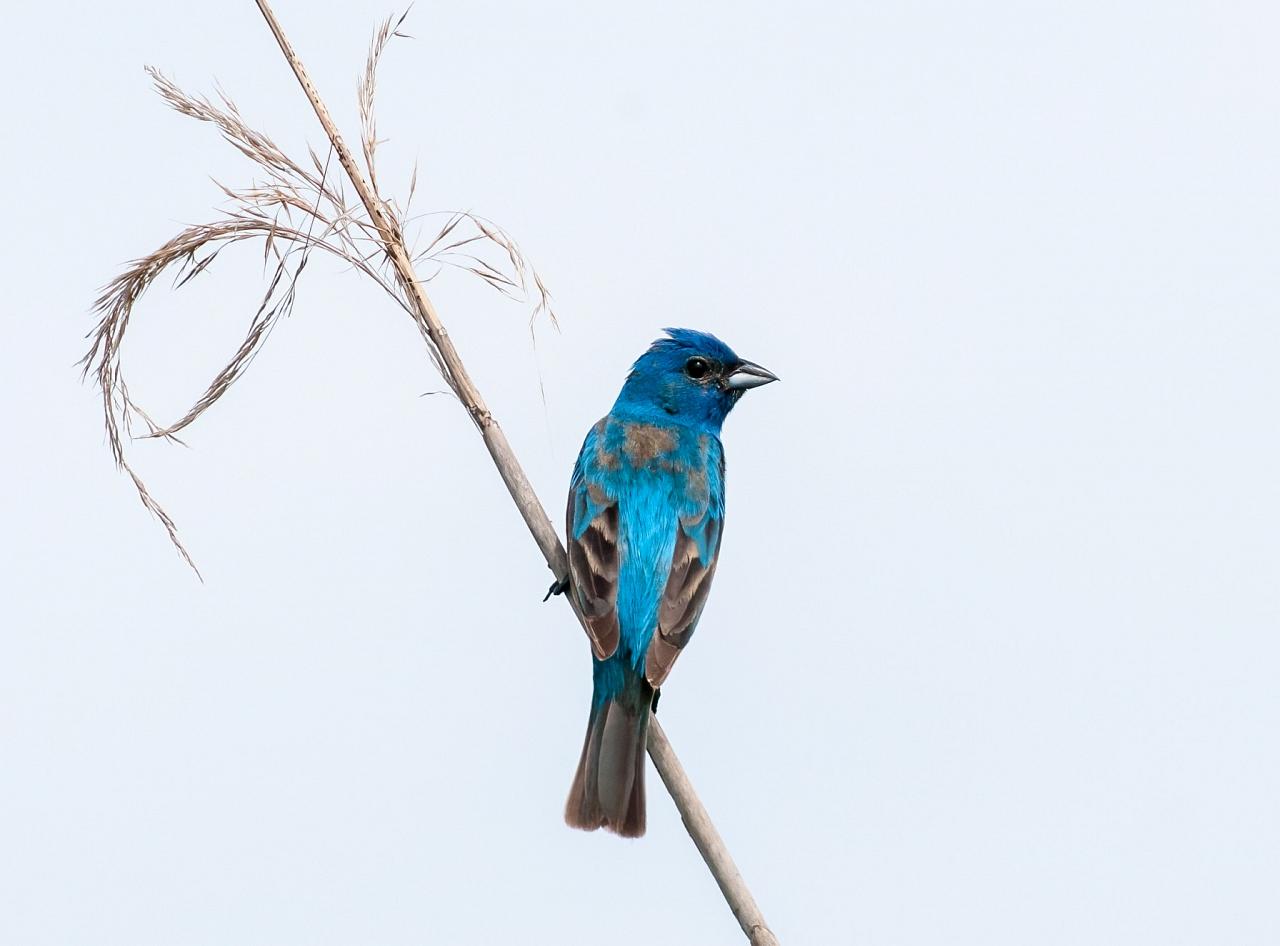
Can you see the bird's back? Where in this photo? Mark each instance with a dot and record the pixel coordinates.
(659, 475)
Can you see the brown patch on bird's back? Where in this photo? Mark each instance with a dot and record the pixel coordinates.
(644, 442)
(695, 485)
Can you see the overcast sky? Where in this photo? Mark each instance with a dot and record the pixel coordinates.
(992, 655)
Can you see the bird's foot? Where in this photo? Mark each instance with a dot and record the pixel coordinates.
(653, 707)
(557, 588)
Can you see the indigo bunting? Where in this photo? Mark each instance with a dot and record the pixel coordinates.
(646, 510)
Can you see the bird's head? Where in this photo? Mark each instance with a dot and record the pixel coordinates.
(691, 377)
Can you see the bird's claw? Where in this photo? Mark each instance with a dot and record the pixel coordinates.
(557, 588)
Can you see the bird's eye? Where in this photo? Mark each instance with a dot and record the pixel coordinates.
(696, 368)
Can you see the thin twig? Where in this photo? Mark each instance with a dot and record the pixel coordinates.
(707, 838)
(664, 758)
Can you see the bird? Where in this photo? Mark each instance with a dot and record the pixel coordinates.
(644, 521)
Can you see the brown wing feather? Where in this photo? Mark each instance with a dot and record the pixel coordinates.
(593, 572)
(682, 601)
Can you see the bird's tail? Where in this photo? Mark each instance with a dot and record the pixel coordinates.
(608, 789)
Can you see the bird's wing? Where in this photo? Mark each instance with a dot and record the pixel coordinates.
(693, 565)
(593, 559)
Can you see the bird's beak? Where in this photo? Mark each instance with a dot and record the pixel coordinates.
(747, 374)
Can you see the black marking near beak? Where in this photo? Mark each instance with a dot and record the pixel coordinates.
(748, 374)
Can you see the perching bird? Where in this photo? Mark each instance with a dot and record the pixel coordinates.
(646, 508)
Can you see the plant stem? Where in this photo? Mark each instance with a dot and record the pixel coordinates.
(694, 815)
(707, 838)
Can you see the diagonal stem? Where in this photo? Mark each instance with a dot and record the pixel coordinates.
(698, 823)
(694, 815)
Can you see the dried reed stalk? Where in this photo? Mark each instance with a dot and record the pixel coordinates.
(370, 236)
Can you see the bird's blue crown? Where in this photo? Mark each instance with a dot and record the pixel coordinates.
(681, 379)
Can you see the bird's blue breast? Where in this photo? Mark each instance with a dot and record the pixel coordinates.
(659, 474)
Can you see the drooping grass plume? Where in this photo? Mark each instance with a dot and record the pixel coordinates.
(292, 208)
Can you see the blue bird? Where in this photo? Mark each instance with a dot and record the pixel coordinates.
(646, 510)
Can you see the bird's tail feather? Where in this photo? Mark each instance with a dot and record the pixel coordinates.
(608, 789)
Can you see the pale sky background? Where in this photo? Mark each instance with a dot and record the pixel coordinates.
(992, 656)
